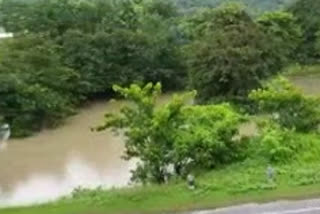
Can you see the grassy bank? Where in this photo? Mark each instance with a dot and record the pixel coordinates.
(239, 183)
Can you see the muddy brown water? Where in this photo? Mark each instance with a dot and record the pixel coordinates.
(54, 162)
(310, 84)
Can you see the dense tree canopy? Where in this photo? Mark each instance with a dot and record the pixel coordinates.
(36, 89)
(231, 54)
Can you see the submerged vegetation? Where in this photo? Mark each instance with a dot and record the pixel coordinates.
(67, 52)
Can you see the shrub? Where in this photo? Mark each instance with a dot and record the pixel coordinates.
(276, 144)
(208, 136)
(288, 105)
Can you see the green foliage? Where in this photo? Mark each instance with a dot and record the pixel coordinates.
(285, 32)
(36, 89)
(209, 136)
(275, 144)
(175, 135)
(232, 56)
(288, 105)
(52, 17)
(122, 57)
(307, 13)
(317, 44)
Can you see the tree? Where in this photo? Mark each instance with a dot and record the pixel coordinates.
(36, 89)
(175, 134)
(307, 13)
(286, 34)
(231, 57)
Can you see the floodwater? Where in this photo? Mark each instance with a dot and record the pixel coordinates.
(310, 84)
(54, 162)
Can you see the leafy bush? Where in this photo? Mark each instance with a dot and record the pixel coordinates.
(276, 144)
(288, 105)
(174, 135)
(208, 136)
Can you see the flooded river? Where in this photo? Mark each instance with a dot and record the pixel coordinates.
(54, 162)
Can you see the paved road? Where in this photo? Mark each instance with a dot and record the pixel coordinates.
(281, 207)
